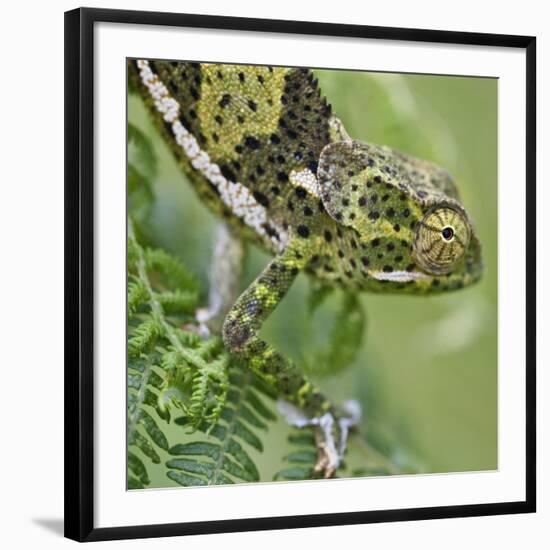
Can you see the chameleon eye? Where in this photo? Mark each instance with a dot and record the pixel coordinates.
(442, 238)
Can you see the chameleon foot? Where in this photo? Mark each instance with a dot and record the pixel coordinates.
(331, 433)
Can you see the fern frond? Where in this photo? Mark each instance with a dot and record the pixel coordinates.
(302, 461)
(221, 455)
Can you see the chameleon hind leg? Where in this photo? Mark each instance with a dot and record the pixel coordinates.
(224, 278)
(305, 403)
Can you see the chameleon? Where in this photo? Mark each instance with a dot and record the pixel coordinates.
(263, 150)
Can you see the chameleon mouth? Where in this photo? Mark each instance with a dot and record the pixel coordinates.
(400, 276)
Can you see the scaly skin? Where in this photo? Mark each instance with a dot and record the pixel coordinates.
(264, 151)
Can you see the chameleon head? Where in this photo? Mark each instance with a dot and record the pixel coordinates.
(414, 234)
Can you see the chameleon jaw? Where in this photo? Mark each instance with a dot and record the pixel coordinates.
(330, 449)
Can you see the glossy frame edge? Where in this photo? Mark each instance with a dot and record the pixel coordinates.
(79, 255)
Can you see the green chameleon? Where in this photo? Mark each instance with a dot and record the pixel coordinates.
(264, 151)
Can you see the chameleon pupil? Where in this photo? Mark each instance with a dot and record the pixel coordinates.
(448, 233)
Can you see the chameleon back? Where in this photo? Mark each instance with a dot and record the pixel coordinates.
(254, 133)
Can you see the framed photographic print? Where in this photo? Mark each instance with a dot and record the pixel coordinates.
(300, 274)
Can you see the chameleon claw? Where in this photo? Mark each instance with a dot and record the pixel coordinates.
(331, 434)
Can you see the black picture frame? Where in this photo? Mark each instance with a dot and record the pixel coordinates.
(79, 269)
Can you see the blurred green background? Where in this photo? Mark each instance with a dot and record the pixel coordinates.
(427, 372)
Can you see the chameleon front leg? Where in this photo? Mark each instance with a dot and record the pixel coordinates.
(307, 404)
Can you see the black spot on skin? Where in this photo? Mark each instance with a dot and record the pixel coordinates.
(194, 92)
(219, 75)
(274, 138)
(290, 206)
(218, 119)
(345, 202)
(399, 259)
(294, 271)
(353, 263)
(328, 236)
(380, 255)
(377, 179)
(275, 190)
(308, 211)
(435, 282)
(241, 77)
(281, 176)
(390, 212)
(375, 242)
(300, 192)
(252, 105)
(260, 170)
(387, 268)
(291, 134)
(303, 231)
(252, 142)
(421, 195)
(240, 119)
(298, 155)
(352, 216)
(227, 172)
(406, 213)
(385, 197)
(280, 159)
(354, 187)
(353, 243)
(225, 100)
(397, 228)
(410, 267)
(215, 137)
(402, 197)
(362, 201)
(365, 261)
(374, 198)
(374, 215)
(261, 198)
(238, 149)
(312, 165)
(349, 274)
(390, 247)
(270, 231)
(340, 254)
(260, 79)
(338, 216)
(370, 162)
